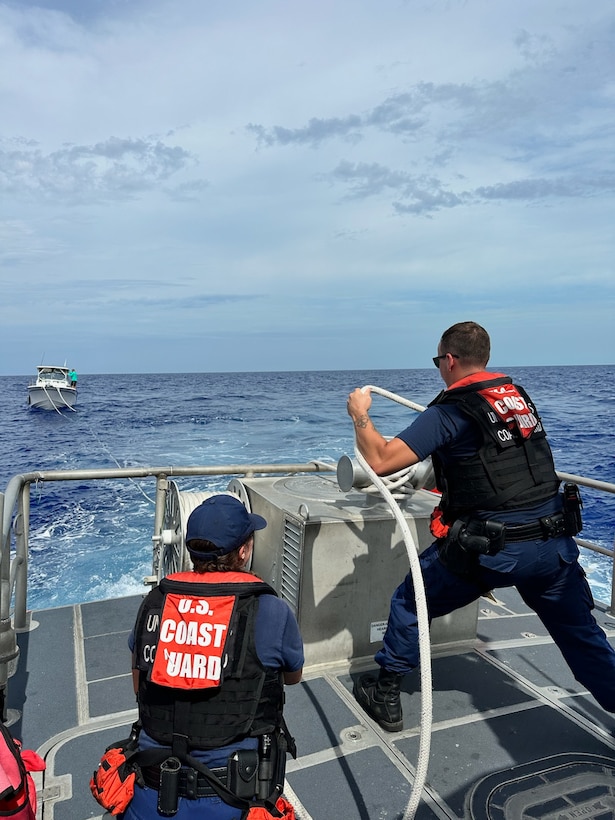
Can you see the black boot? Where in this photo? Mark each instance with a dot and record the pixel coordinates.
(380, 698)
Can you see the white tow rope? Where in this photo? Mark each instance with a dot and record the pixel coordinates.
(422, 617)
(63, 401)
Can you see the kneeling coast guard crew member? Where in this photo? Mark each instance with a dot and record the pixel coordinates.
(502, 520)
(212, 650)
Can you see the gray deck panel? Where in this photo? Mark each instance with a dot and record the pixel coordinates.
(507, 598)
(365, 785)
(462, 685)
(587, 707)
(45, 679)
(107, 655)
(509, 604)
(316, 716)
(542, 665)
(112, 695)
(459, 758)
(510, 629)
(101, 619)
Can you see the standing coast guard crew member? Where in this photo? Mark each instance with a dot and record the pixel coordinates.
(502, 520)
(212, 650)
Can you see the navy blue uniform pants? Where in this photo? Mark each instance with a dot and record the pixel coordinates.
(549, 579)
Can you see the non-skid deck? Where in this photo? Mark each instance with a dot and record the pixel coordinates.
(513, 733)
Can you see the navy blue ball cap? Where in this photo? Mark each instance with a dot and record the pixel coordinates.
(223, 520)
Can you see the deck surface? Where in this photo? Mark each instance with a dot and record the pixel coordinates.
(513, 735)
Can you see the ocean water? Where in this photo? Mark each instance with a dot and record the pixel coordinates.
(93, 540)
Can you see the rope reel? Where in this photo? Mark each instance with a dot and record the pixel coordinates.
(172, 553)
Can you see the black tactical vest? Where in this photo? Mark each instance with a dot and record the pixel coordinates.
(249, 700)
(509, 470)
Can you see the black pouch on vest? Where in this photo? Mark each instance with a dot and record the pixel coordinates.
(242, 770)
(572, 509)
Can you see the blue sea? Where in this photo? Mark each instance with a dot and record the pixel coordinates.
(93, 540)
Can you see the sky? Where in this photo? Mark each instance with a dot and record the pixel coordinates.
(231, 185)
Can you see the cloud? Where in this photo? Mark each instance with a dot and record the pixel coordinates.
(332, 170)
(420, 194)
(530, 125)
(537, 95)
(424, 195)
(313, 134)
(538, 189)
(112, 169)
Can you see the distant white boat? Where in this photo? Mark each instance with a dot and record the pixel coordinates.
(54, 389)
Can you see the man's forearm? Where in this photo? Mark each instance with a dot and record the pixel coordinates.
(362, 422)
(383, 456)
(369, 441)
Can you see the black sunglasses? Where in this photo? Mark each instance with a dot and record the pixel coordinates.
(436, 359)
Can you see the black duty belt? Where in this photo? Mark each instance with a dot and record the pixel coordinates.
(549, 526)
(192, 784)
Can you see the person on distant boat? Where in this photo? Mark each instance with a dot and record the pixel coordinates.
(502, 520)
(73, 377)
(212, 650)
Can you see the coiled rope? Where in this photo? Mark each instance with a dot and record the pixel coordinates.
(421, 611)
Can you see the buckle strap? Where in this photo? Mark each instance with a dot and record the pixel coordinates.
(549, 526)
(192, 784)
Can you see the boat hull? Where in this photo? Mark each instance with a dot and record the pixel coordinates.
(51, 398)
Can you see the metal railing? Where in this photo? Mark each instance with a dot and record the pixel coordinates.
(15, 517)
(14, 570)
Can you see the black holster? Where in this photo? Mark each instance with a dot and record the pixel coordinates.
(168, 790)
(483, 537)
(466, 540)
(272, 752)
(456, 559)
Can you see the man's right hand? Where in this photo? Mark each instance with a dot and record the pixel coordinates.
(359, 402)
